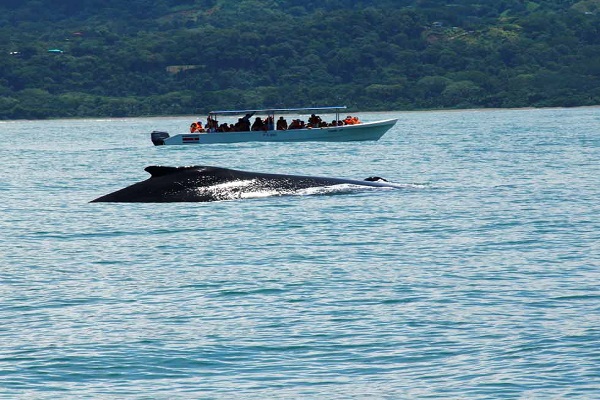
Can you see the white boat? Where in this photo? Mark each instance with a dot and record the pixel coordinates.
(317, 132)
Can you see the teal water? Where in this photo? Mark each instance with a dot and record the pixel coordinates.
(478, 279)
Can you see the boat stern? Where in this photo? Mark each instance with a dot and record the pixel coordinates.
(158, 138)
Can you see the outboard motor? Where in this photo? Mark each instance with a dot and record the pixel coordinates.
(158, 138)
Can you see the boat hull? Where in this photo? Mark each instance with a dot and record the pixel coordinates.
(347, 133)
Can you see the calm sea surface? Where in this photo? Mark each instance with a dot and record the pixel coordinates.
(478, 279)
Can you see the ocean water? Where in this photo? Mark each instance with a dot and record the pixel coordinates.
(478, 279)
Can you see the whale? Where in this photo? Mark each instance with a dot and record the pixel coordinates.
(207, 183)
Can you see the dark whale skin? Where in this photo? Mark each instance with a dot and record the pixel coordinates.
(202, 184)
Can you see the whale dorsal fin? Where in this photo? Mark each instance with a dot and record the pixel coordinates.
(375, 179)
(159, 170)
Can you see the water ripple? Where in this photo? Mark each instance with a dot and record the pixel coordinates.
(476, 280)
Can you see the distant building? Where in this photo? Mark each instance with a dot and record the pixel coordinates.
(175, 69)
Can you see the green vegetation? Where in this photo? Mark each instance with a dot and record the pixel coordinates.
(82, 58)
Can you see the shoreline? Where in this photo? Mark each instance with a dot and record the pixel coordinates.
(440, 110)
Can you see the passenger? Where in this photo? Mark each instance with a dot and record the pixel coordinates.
(350, 120)
(295, 124)
(282, 124)
(238, 125)
(245, 122)
(269, 125)
(196, 127)
(314, 121)
(211, 124)
(243, 125)
(258, 125)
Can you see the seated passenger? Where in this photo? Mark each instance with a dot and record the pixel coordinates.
(243, 125)
(196, 127)
(314, 121)
(258, 125)
(351, 120)
(295, 124)
(282, 124)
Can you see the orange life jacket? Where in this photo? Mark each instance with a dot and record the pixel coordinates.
(351, 120)
(196, 127)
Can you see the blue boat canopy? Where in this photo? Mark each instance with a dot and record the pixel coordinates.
(276, 110)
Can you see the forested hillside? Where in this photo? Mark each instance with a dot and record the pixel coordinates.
(81, 58)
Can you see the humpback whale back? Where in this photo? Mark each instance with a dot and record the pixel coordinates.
(205, 183)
